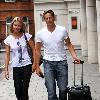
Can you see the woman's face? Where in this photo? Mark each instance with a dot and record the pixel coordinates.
(17, 26)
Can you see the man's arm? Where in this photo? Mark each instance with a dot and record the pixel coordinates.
(71, 49)
(38, 52)
(38, 46)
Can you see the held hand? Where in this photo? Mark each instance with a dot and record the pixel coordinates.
(39, 72)
(7, 74)
(33, 68)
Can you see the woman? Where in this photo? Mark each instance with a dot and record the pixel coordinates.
(21, 62)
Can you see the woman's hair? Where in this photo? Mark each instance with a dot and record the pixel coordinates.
(48, 11)
(19, 20)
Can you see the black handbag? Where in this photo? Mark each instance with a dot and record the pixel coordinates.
(31, 53)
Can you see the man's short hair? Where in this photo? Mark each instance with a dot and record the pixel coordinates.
(48, 11)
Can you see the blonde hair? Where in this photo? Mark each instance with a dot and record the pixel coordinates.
(19, 20)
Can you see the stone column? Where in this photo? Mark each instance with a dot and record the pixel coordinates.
(83, 28)
(92, 31)
(98, 28)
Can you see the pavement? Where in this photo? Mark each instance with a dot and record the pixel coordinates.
(37, 89)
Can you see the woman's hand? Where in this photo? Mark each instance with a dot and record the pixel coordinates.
(6, 74)
(33, 68)
(39, 72)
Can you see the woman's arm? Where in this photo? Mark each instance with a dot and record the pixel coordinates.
(38, 46)
(7, 60)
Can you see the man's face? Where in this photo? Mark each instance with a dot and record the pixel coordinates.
(49, 19)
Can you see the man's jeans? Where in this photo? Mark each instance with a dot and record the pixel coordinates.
(56, 71)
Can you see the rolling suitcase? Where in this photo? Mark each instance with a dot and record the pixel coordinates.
(79, 92)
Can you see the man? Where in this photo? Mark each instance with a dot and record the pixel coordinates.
(53, 38)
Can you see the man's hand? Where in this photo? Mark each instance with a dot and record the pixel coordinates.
(76, 60)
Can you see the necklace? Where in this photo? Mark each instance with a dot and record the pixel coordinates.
(17, 36)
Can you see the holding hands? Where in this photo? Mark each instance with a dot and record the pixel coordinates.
(6, 73)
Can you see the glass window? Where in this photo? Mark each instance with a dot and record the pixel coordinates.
(10, 0)
(26, 22)
(74, 22)
(8, 23)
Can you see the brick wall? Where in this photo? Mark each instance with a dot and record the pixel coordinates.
(18, 8)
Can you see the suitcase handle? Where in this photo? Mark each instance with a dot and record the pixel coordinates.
(81, 62)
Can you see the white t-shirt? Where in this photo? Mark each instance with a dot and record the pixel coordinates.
(13, 43)
(53, 43)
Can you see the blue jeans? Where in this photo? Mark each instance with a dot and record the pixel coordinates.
(56, 71)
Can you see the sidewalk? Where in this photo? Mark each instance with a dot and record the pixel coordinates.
(37, 90)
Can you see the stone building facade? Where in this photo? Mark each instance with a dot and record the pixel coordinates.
(90, 30)
(12, 8)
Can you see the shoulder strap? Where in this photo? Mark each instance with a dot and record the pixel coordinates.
(25, 37)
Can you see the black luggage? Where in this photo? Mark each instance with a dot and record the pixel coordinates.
(79, 92)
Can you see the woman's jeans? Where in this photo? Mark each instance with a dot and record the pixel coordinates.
(56, 71)
(21, 76)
